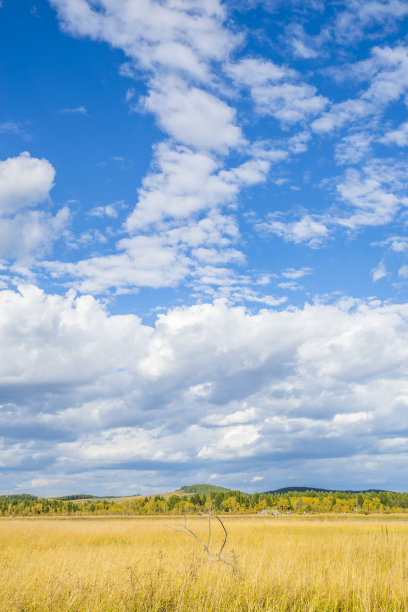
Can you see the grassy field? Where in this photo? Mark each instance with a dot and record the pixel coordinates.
(285, 563)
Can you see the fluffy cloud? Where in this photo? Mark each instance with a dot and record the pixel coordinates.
(147, 262)
(310, 230)
(276, 92)
(193, 116)
(31, 233)
(175, 43)
(351, 23)
(174, 35)
(397, 137)
(353, 148)
(185, 182)
(161, 259)
(376, 193)
(214, 386)
(386, 70)
(370, 196)
(24, 181)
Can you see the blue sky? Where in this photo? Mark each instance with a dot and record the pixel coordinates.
(203, 244)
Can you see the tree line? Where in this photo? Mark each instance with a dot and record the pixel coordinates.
(234, 502)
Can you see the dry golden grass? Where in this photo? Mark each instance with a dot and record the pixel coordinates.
(292, 564)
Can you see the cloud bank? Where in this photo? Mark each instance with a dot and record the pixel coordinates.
(207, 388)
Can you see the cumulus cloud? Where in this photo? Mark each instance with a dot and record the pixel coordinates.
(276, 90)
(309, 229)
(147, 262)
(376, 193)
(397, 137)
(303, 45)
(209, 385)
(161, 259)
(193, 116)
(398, 244)
(184, 182)
(24, 181)
(31, 233)
(353, 148)
(352, 23)
(176, 35)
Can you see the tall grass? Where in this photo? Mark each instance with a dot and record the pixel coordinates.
(284, 564)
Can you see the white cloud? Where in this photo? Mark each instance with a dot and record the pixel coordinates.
(397, 137)
(31, 233)
(311, 230)
(78, 110)
(24, 181)
(353, 148)
(351, 417)
(255, 72)
(351, 25)
(403, 271)
(376, 193)
(276, 92)
(342, 113)
(123, 444)
(193, 116)
(238, 441)
(10, 127)
(398, 244)
(185, 182)
(387, 73)
(225, 384)
(298, 143)
(147, 262)
(130, 93)
(379, 272)
(370, 196)
(110, 210)
(161, 259)
(294, 273)
(239, 417)
(179, 36)
(303, 45)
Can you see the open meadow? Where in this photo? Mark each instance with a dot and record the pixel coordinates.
(283, 563)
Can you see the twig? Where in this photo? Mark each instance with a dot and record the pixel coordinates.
(217, 557)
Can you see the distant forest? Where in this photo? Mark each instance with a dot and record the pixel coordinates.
(218, 500)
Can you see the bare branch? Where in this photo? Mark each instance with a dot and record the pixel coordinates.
(209, 526)
(225, 537)
(191, 534)
(217, 558)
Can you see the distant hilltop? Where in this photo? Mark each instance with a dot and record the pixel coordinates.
(206, 489)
